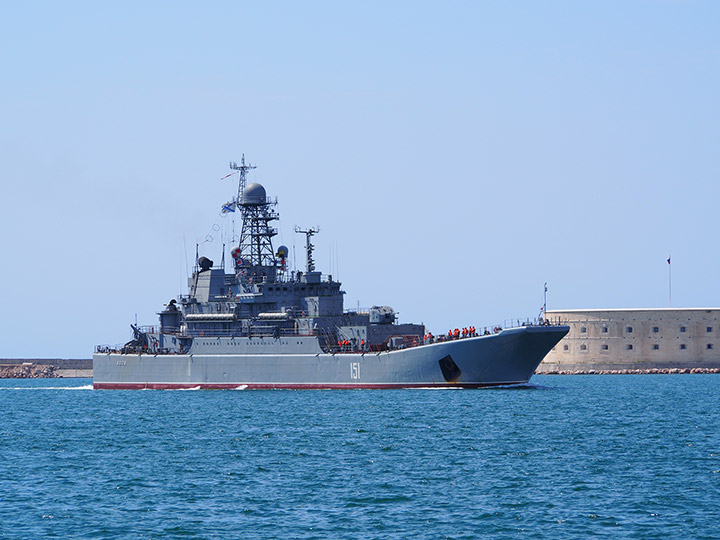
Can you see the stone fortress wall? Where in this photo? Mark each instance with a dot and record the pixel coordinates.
(635, 339)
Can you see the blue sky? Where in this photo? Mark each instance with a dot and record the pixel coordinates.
(455, 155)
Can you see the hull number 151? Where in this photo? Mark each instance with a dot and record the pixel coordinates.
(354, 370)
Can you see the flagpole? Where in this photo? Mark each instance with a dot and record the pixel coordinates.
(670, 280)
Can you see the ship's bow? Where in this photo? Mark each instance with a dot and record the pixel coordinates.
(520, 351)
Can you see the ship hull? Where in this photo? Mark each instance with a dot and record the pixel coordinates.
(507, 358)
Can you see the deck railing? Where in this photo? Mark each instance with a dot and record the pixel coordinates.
(327, 339)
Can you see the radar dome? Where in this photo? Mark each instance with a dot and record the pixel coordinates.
(253, 194)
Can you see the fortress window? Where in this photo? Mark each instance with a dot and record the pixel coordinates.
(709, 346)
(655, 329)
(656, 347)
(629, 347)
(708, 329)
(604, 347)
(604, 329)
(583, 330)
(583, 347)
(682, 347)
(683, 329)
(628, 329)
(565, 347)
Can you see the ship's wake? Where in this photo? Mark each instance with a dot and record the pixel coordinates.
(85, 387)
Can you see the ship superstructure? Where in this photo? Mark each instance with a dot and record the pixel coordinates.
(262, 325)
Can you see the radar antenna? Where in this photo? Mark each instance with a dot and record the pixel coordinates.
(310, 264)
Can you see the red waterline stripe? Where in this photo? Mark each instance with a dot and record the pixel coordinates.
(284, 386)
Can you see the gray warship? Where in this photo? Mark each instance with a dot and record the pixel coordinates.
(261, 325)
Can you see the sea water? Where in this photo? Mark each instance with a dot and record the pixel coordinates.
(615, 456)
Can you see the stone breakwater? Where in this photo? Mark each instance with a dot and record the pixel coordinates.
(652, 371)
(28, 371)
(45, 368)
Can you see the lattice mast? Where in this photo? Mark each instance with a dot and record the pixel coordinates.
(256, 247)
(242, 171)
(254, 256)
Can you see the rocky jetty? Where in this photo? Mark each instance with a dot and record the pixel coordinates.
(653, 371)
(45, 368)
(27, 371)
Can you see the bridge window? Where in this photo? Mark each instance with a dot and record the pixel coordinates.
(709, 346)
(628, 329)
(682, 347)
(656, 347)
(709, 329)
(683, 329)
(629, 347)
(655, 329)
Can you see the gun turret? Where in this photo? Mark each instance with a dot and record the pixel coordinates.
(138, 343)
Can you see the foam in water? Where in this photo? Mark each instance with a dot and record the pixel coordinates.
(86, 387)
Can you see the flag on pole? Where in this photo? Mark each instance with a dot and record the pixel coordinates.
(668, 260)
(229, 207)
(224, 177)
